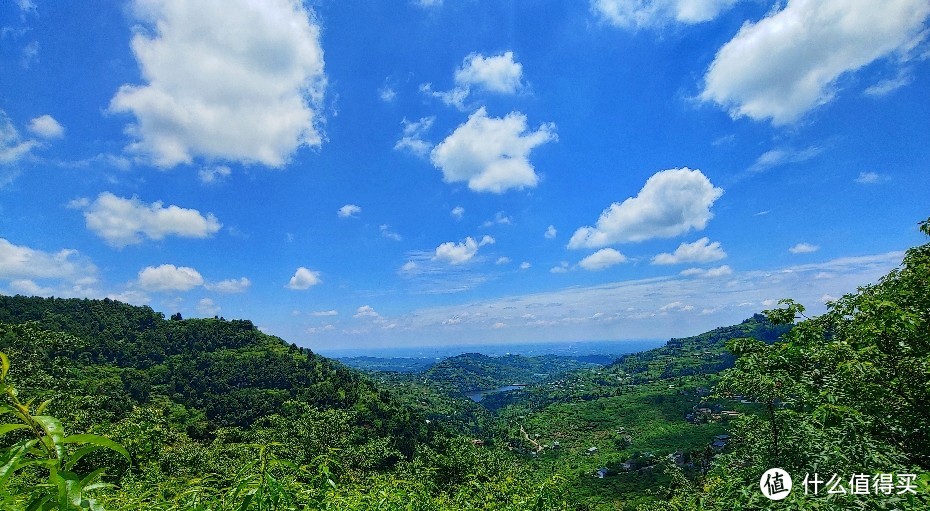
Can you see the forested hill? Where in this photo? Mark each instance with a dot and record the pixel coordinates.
(474, 371)
(227, 371)
(700, 354)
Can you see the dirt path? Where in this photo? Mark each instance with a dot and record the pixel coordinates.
(526, 435)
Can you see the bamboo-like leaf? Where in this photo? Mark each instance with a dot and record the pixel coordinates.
(76, 456)
(39, 503)
(6, 428)
(42, 406)
(97, 440)
(5, 362)
(54, 432)
(90, 479)
(14, 461)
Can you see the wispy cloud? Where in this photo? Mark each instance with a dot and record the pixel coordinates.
(640, 308)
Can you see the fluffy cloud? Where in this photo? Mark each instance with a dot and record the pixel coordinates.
(122, 222)
(676, 307)
(701, 251)
(386, 232)
(366, 311)
(412, 139)
(169, 277)
(551, 232)
(19, 262)
(229, 80)
(788, 63)
(672, 202)
(803, 248)
(563, 267)
(304, 279)
(459, 253)
(387, 94)
(499, 73)
(46, 126)
(457, 212)
(491, 154)
(720, 271)
(603, 258)
(348, 211)
(12, 147)
(633, 14)
(500, 218)
(209, 175)
(230, 285)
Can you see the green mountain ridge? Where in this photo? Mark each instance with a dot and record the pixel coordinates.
(211, 414)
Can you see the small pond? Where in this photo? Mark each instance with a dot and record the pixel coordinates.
(478, 395)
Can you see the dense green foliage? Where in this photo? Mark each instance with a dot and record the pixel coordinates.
(701, 354)
(217, 415)
(846, 393)
(210, 414)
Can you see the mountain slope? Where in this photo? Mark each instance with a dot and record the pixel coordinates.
(228, 370)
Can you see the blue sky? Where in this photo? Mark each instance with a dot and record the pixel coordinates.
(352, 174)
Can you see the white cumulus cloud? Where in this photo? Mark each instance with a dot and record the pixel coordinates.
(232, 80)
(413, 137)
(304, 279)
(633, 14)
(672, 202)
(720, 271)
(209, 175)
(348, 211)
(491, 154)
(366, 311)
(459, 253)
(12, 146)
(230, 285)
(18, 262)
(121, 222)
(788, 63)
(498, 73)
(46, 126)
(701, 251)
(803, 248)
(169, 277)
(603, 258)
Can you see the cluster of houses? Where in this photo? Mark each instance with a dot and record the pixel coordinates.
(646, 461)
(703, 414)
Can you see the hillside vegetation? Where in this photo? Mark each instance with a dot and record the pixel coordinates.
(112, 406)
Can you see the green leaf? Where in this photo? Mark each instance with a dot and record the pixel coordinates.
(5, 361)
(100, 441)
(55, 433)
(6, 428)
(42, 406)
